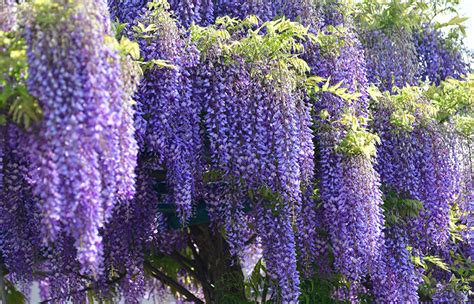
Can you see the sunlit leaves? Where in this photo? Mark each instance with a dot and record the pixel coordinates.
(358, 140)
(21, 107)
(451, 101)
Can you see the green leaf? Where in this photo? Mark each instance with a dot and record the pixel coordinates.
(437, 262)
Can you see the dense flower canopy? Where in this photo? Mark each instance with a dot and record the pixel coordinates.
(234, 151)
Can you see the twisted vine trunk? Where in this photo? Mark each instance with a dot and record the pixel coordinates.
(222, 272)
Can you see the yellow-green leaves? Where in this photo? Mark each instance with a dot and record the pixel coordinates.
(436, 261)
(464, 125)
(331, 40)
(358, 140)
(124, 46)
(24, 109)
(402, 120)
(15, 100)
(317, 85)
(452, 101)
(277, 43)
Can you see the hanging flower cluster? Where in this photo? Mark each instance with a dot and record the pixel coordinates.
(260, 144)
(168, 122)
(8, 15)
(417, 161)
(19, 224)
(243, 8)
(398, 278)
(391, 60)
(83, 148)
(126, 11)
(437, 57)
(193, 11)
(348, 183)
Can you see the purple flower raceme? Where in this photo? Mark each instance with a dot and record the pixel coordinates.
(19, 214)
(127, 235)
(279, 251)
(440, 175)
(136, 229)
(240, 132)
(417, 162)
(445, 294)
(83, 150)
(397, 279)
(391, 59)
(420, 164)
(438, 57)
(260, 147)
(243, 8)
(464, 150)
(64, 281)
(188, 11)
(193, 11)
(167, 111)
(348, 184)
(126, 11)
(7, 15)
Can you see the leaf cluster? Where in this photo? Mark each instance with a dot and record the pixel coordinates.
(454, 100)
(358, 139)
(393, 15)
(450, 102)
(400, 210)
(16, 103)
(257, 286)
(275, 44)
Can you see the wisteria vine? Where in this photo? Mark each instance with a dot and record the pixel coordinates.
(233, 151)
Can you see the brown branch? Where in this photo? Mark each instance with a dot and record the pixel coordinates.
(184, 262)
(3, 290)
(172, 283)
(196, 255)
(79, 291)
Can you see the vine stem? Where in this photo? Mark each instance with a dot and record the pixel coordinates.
(3, 290)
(173, 284)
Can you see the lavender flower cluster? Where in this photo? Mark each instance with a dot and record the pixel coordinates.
(349, 185)
(246, 120)
(83, 149)
(438, 58)
(168, 122)
(391, 60)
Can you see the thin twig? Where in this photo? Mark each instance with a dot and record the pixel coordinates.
(172, 283)
(196, 255)
(62, 297)
(183, 262)
(3, 290)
